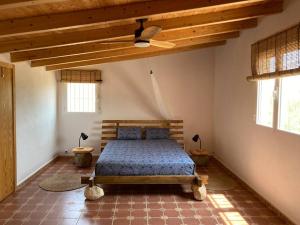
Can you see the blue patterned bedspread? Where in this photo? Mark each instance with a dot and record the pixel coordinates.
(144, 157)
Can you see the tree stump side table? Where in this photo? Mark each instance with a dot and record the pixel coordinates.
(200, 157)
(83, 156)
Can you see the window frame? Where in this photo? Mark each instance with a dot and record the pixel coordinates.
(78, 94)
(279, 109)
(276, 107)
(258, 101)
(64, 100)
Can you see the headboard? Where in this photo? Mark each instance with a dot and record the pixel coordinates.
(109, 128)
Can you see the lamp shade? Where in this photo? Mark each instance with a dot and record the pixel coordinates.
(84, 136)
(196, 138)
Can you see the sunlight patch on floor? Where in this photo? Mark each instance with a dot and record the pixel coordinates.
(233, 218)
(220, 201)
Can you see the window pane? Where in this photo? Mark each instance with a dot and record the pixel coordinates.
(290, 60)
(81, 97)
(272, 65)
(289, 108)
(265, 102)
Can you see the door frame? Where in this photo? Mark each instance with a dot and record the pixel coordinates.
(12, 66)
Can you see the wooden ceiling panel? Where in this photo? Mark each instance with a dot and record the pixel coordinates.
(12, 9)
(12, 4)
(126, 31)
(134, 56)
(204, 10)
(98, 46)
(115, 13)
(71, 33)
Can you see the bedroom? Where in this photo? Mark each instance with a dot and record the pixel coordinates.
(202, 81)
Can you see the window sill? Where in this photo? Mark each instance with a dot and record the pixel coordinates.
(81, 113)
(265, 126)
(278, 130)
(288, 132)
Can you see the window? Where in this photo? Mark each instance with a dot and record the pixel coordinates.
(285, 114)
(289, 105)
(277, 59)
(81, 97)
(265, 102)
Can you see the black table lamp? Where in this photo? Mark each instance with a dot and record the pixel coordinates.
(83, 136)
(196, 138)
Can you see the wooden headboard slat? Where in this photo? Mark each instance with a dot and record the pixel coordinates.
(113, 138)
(114, 132)
(142, 121)
(143, 126)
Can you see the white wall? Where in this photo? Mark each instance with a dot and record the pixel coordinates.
(35, 118)
(268, 160)
(185, 82)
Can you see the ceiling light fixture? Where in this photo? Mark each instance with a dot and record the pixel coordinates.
(142, 43)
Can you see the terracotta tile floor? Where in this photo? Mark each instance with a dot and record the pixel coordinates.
(132, 205)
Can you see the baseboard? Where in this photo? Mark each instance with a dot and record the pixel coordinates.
(245, 185)
(72, 156)
(36, 172)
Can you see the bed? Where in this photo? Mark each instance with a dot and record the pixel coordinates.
(144, 157)
(143, 161)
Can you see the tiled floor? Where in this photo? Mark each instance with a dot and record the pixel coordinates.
(134, 205)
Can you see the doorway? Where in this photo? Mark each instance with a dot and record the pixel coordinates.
(7, 131)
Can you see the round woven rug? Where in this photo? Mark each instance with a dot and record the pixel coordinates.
(220, 182)
(62, 182)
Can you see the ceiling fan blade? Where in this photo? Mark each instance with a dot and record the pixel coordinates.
(116, 42)
(162, 44)
(150, 32)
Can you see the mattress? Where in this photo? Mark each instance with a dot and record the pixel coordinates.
(144, 157)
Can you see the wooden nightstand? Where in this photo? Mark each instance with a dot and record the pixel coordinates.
(200, 157)
(83, 156)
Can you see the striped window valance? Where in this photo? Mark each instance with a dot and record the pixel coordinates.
(80, 76)
(276, 56)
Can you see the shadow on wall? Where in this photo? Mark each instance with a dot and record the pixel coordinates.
(159, 98)
(95, 132)
(142, 100)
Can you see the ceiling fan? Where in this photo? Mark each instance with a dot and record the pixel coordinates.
(143, 37)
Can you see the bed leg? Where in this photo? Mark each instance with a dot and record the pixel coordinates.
(93, 192)
(198, 187)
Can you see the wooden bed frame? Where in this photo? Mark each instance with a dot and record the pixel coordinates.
(109, 132)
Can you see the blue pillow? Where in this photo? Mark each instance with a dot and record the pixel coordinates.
(157, 133)
(129, 133)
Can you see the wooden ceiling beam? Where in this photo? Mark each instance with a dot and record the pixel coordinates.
(133, 50)
(126, 31)
(65, 51)
(130, 57)
(106, 15)
(100, 47)
(10, 4)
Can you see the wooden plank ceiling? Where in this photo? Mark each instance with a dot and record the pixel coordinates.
(62, 34)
